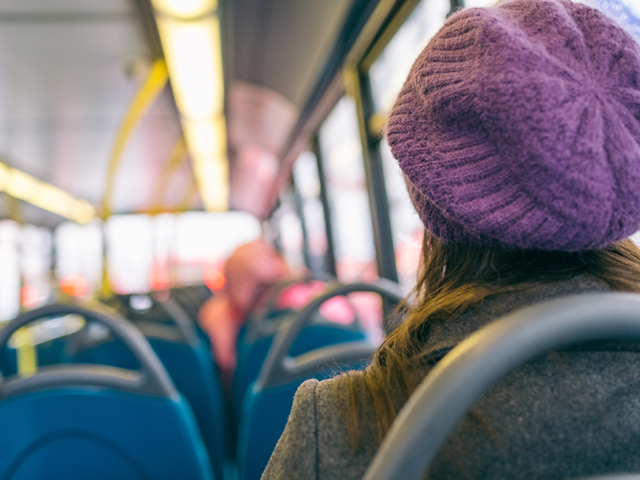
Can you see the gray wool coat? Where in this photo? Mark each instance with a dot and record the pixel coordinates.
(569, 414)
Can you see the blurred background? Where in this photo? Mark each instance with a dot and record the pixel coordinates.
(141, 142)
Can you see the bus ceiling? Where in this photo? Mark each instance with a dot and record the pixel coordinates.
(72, 71)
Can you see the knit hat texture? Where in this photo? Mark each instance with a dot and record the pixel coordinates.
(519, 127)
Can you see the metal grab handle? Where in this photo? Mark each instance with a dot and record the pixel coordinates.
(279, 365)
(468, 370)
(151, 379)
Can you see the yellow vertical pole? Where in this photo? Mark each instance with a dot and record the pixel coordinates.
(27, 355)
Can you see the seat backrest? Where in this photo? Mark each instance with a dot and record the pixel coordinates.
(251, 356)
(279, 367)
(468, 370)
(188, 361)
(265, 410)
(305, 331)
(267, 405)
(82, 421)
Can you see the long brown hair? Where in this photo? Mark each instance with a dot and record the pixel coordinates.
(451, 278)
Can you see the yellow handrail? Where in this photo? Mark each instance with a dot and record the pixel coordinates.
(147, 94)
(26, 352)
(154, 84)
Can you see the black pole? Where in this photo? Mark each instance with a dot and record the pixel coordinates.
(305, 235)
(359, 88)
(324, 198)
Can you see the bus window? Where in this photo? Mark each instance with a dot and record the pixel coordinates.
(387, 74)
(346, 188)
(10, 271)
(35, 265)
(390, 70)
(625, 12)
(154, 253)
(79, 251)
(130, 246)
(305, 174)
(287, 227)
(202, 241)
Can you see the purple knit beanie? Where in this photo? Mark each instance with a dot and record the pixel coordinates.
(519, 127)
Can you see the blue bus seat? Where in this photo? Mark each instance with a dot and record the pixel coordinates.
(190, 366)
(80, 433)
(80, 421)
(310, 338)
(267, 405)
(48, 353)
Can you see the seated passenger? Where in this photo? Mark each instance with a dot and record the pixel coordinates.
(250, 270)
(518, 130)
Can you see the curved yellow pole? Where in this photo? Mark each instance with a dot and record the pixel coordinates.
(154, 84)
(152, 87)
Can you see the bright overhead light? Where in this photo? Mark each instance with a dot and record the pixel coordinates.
(206, 138)
(212, 175)
(53, 199)
(194, 58)
(208, 145)
(185, 8)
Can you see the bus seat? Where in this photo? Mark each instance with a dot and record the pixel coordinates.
(81, 421)
(266, 407)
(306, 330)
(188, 361)
(50, 338)
(256, 337)
(467, 371)
(253, 355)
(267, 404)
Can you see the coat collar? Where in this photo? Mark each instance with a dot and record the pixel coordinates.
(446, 335)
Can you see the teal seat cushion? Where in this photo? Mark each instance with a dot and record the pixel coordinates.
(80, 433)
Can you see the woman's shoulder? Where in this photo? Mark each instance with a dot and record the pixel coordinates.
(337, 458)
(315, 443)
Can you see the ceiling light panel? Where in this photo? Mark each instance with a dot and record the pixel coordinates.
(52, 199)
(193, 53)
(185, 9)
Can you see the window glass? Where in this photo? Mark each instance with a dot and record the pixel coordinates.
(625, 12)
(153, 253)
(79, 251)
(130, 252)
(305, 174)
(200, 242)
(288, 228)
(10, 271)
(35, 265)
(346, 188)
(407, 228)
(387, 75)
(390, 70)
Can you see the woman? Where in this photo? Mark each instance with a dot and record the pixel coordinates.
(249, 272)
(518, 131)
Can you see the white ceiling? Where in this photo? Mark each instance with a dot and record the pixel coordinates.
(70, 68)
(68, 72)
